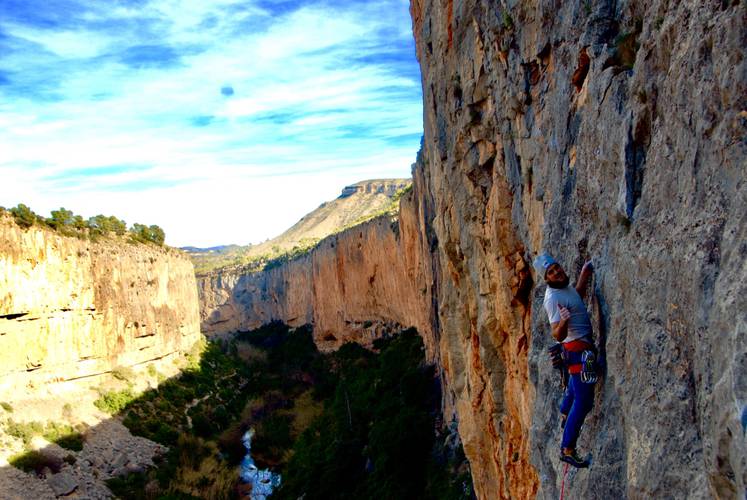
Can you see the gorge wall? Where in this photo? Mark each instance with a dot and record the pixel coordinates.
(606, 130)
(611, 130)
(352, 287)
(71, 309)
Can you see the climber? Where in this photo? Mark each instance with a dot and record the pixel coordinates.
(572, 327)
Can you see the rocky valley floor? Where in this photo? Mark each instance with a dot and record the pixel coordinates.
(355, 423)
(59, 442)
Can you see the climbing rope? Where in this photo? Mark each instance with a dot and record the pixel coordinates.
(562, 483)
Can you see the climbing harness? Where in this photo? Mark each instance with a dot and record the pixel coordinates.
(562, 483)
(580, 358)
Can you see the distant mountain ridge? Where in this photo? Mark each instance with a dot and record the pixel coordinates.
(357, 203)
(219, 248)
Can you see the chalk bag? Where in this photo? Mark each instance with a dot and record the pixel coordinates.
(556, 355)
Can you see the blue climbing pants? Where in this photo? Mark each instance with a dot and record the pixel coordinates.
(577, 403)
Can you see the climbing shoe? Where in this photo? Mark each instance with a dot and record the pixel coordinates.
(588, 367)
(574, 459)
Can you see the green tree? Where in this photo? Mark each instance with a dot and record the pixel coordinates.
(118, 226)
(102, 224)
(139, 232)
(96, 224)
(23, 215)
(60, 218)
(143, 233)
(79, 223)
(157, 235)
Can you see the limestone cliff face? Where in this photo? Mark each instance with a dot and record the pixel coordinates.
(612, 130)
(352, 287)
(71, 309)
(387, 187)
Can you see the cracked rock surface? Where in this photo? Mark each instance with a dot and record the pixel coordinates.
(611, 130)
(109, 450)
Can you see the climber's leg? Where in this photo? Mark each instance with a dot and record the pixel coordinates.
(566, 404)
(583, 400)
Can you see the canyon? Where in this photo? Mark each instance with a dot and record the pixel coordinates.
(613, 131)
(607, 130)
(354, 286)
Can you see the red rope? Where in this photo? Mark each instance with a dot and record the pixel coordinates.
(562, 483)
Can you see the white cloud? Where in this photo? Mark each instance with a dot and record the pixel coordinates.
(67, 44)
(310, 96)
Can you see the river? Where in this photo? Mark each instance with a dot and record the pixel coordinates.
(263, 481)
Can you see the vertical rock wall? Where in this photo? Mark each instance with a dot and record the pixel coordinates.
(352, 287)
(612, 130)
(71, 309)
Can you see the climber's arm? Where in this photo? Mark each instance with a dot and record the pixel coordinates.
(560, 329)
(584, 277)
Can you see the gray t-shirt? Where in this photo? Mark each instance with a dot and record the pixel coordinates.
(579, 324)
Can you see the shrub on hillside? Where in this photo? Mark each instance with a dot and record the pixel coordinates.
(124, 373)
(101, 224)
(114, 401)
(24, 216)
(35, 461)
(60, 219)
(25, 431)
(62, 434)
(142, 233)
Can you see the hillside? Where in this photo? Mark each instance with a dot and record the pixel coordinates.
(357, 203)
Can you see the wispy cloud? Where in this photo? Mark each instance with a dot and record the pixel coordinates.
(165, 110)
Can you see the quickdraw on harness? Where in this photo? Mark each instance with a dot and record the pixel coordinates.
(588, 367)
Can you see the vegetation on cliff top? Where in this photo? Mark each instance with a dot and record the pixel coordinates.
(340, 425)
(67, 223)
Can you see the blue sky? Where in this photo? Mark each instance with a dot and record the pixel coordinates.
(222, 121)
